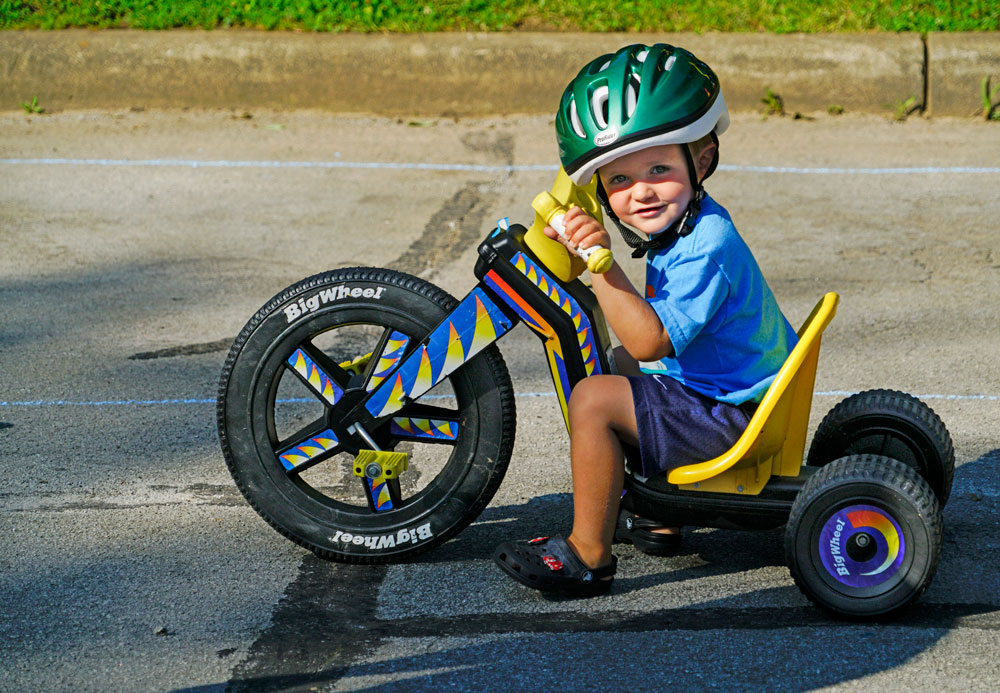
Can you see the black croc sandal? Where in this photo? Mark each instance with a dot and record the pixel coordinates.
(638, 531)
(549, 564)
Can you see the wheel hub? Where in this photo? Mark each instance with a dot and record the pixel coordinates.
(861, 546)
(337, 423)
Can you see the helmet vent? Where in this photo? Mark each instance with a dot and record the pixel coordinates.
(631, 96)
(599, 106)
(574, 119)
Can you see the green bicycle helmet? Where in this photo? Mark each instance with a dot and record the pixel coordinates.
(641, 96)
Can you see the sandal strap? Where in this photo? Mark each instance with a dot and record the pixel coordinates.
(550, 565)
(605, 570)
(646, 523)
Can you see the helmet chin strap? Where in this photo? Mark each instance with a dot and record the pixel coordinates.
(668, 234)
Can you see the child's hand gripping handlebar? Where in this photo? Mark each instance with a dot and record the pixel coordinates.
(598, 258)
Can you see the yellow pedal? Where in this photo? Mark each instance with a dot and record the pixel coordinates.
(357, 366)
(375, 464)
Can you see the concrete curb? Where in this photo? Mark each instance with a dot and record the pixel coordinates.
(957, 65)
(463, 74)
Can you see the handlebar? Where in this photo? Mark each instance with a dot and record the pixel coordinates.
(598, 258)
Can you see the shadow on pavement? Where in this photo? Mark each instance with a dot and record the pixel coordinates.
(783, 648)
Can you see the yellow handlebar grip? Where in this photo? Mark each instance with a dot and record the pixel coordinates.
(599, 259)
(547, 206)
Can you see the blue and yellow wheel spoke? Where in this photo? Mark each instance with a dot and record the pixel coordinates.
(315, 377)
(417, 428)
(309, 450)
(379, 492)
(390, 357)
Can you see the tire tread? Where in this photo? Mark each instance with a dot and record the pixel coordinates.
(886, 402)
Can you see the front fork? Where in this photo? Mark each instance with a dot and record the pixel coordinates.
(564, 315)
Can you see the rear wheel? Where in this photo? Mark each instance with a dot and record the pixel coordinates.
(864, 536)
(892, 424)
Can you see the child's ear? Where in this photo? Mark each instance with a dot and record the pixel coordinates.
(705, 159)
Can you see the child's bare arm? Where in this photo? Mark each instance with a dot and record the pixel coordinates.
(633, 320)
(628, 314)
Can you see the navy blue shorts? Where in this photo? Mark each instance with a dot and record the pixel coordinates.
(679, 426)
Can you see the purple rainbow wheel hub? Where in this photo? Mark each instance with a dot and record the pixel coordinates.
(861, 546)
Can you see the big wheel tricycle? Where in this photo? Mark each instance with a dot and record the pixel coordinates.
(368, 416)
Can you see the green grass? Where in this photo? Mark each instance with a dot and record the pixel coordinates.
(510, 15)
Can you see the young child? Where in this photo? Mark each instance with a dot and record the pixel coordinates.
(700, 345)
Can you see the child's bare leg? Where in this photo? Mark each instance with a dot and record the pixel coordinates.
(629, 366)
(601, 414)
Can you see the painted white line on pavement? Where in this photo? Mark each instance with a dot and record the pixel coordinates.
(189, 163)
(477, 168)
(205, 400)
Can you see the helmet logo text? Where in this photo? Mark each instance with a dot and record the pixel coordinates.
(603, 139)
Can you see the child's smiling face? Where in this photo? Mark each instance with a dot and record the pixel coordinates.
(648, 189)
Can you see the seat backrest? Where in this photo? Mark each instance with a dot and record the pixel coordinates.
(774, 440)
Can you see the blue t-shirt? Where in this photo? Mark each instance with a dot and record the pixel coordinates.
(729, 335)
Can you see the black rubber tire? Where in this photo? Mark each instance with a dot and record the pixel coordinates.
(819, 544)
(313, 517)
(889, 423)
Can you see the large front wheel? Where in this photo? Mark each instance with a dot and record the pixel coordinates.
(307, 359)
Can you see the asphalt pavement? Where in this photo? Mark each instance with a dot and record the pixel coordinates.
(137, 244)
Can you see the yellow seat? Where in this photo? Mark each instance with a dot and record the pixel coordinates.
(775, 438)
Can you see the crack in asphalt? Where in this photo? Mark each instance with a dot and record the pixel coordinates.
(325, 623)
(185, 350)
(456, 225)
(459, 223)
(302, 646)
(973, 616)
(451, 230)
(217, 495)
